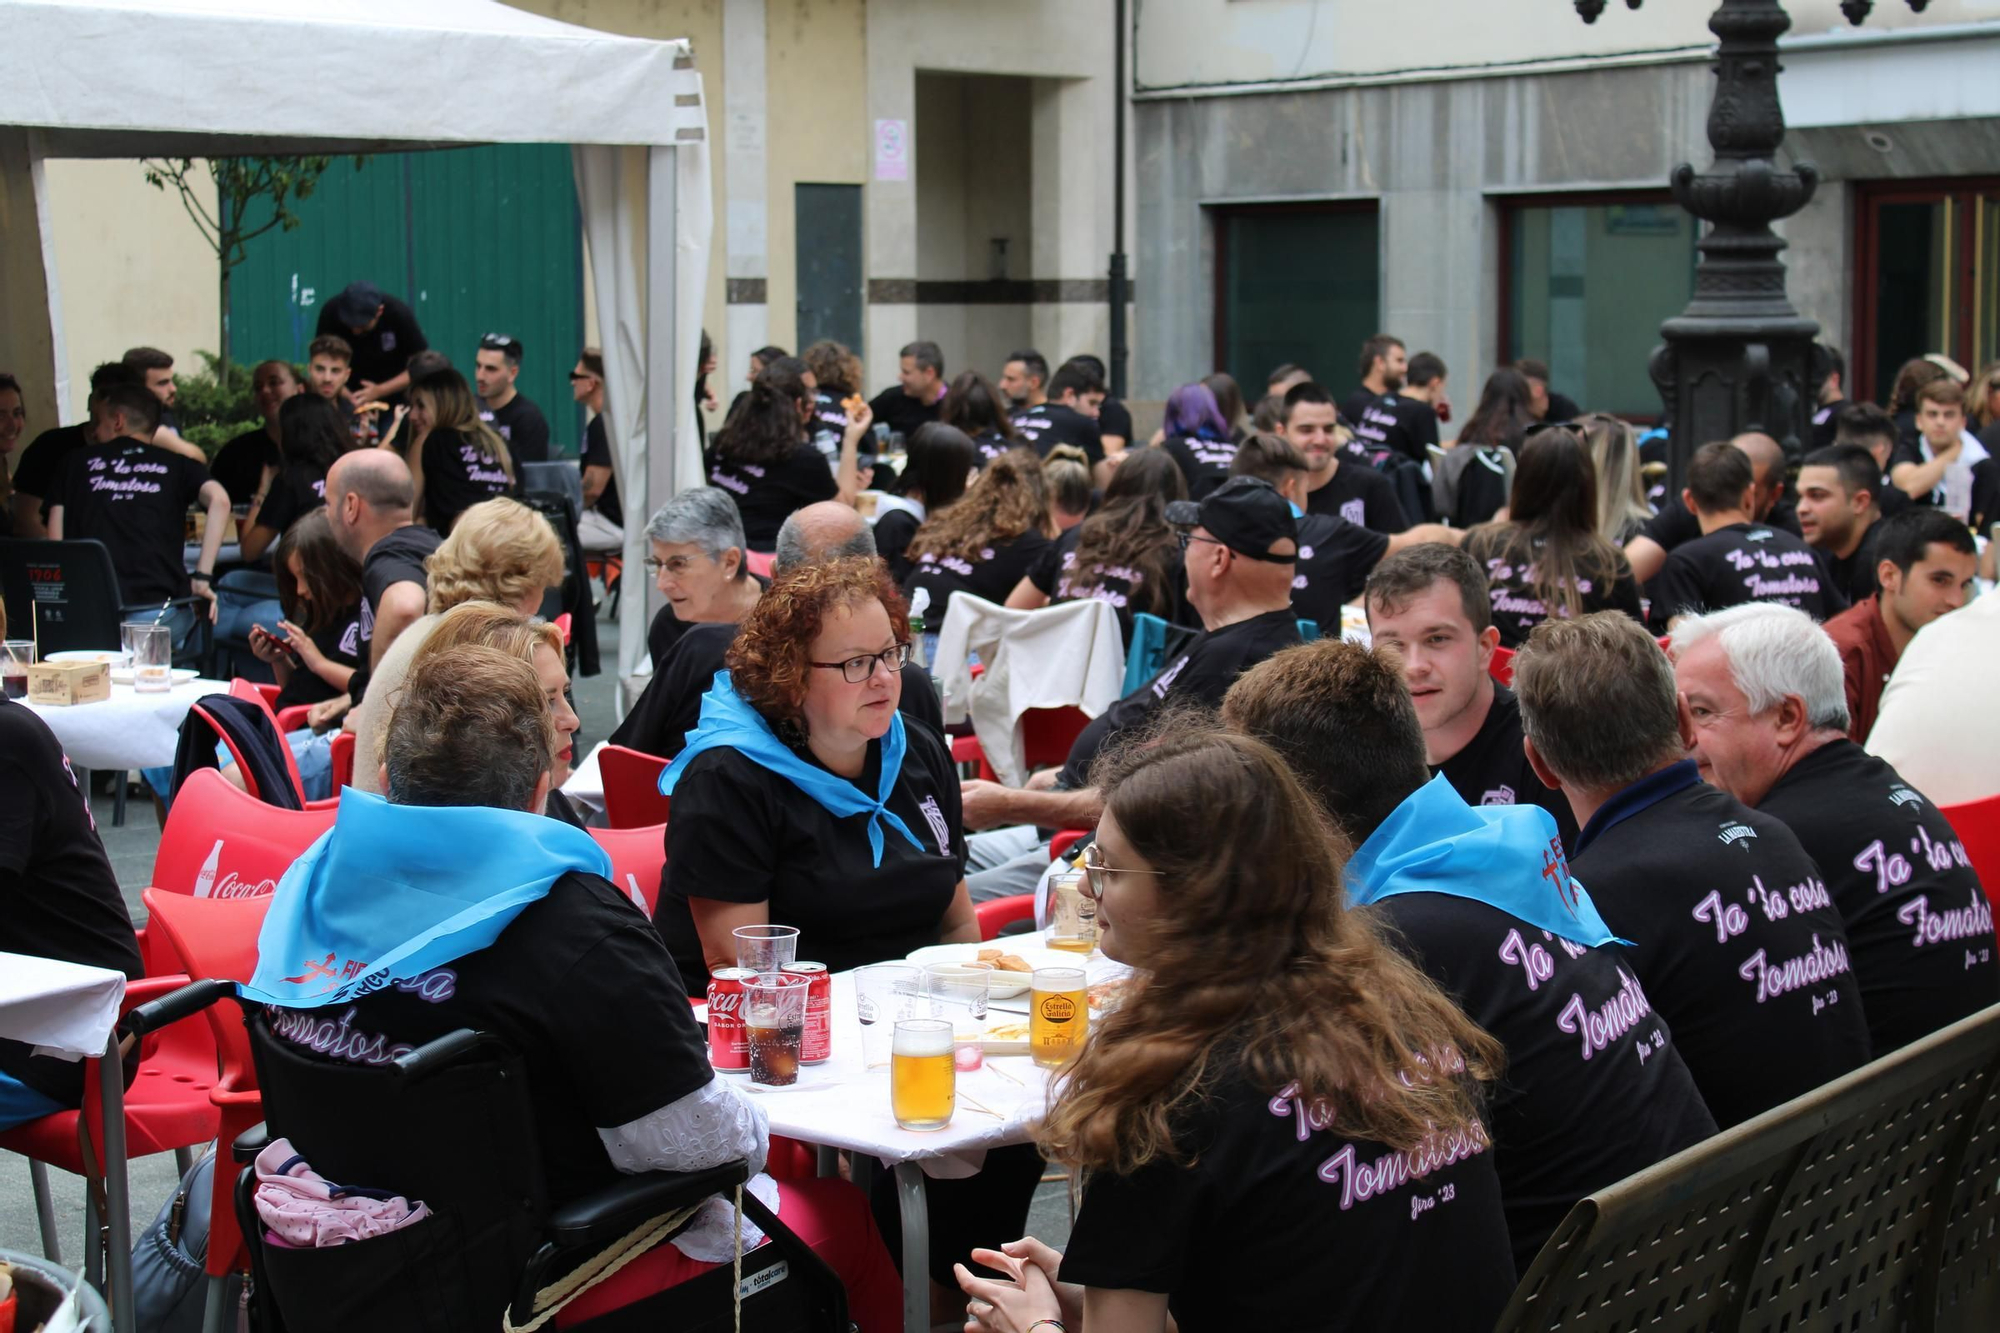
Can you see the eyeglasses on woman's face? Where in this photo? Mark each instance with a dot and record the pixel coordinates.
(676, 566)
(1097, 875)
(855, 670)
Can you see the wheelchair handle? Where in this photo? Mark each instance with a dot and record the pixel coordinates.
(189, 1000)
(436, 1056)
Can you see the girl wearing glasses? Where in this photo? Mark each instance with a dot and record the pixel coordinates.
(1276, 1086)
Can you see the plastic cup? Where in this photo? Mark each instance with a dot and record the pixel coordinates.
(959, 992)
(152, 659)
(16, 656)
(923, 1081)
(766, 948)
(774, 1021)
(884, 995)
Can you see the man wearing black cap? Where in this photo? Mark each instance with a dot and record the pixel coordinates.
(1241, 544)
(384, 334)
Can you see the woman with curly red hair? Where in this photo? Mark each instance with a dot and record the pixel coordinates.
(802, 799)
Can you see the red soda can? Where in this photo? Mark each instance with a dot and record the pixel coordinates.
(817, 1043)
(728, 1038)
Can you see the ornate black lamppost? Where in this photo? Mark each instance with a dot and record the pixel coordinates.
(1740, 357)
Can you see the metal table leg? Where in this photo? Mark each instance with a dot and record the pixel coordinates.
(45, 1212)
(916, 1247)
(118, 1226)
(829, 1162)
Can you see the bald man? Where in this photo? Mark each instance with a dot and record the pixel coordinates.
(1676, 523)
(369, 495)
(671, 704)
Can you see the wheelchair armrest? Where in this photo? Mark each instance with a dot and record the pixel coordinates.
(608, 1213)
(251, 1142)
(188, 1000)
(435, 1056)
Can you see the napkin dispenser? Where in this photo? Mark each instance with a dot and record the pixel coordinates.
(68, 682)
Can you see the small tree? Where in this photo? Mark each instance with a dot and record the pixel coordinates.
(240, 182)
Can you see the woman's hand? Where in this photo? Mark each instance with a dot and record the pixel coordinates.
(1017, 1255)
(301, 643)
(859, 422)
(321, 716)
(1008, 1307)
(265, 646)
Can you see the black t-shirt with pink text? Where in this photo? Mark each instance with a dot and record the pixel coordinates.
(768, 493)
(1735, 936)
(1918, 923)
(1594, 1088)
(1518, 605)
(1744, 562)
(1280, 1221)
(134, 498)
(991, 572)
(457, 477)
(1205, 463)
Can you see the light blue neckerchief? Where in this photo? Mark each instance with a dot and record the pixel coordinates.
(726, 720)
(392, 891)
(1509, 857)
(1297, 513)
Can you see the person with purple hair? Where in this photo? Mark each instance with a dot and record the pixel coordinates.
(1197, 438)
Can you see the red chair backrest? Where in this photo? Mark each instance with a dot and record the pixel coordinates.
(637, 857)
(341, 754)
(1977, 824)
(1502, 666)
(562, 624)
(220, 842)
(632, 787)
(995, 913)
(1048, 733)
(758, 562)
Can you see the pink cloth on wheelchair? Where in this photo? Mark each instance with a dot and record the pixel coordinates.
(303, 1209)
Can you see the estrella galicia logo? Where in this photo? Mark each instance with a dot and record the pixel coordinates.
(1901, 795)
(1500, 795)
(1734, 833)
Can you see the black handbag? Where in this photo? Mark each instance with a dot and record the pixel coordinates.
(168, 1286)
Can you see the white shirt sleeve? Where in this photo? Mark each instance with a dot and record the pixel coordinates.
(710, 1126)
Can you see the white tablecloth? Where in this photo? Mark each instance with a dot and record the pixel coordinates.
(63, 1009)
(843, 1104)
(128, 730)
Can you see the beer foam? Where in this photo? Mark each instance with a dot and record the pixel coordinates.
(923, 1036)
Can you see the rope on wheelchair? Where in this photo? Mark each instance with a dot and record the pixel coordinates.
(602, 1265)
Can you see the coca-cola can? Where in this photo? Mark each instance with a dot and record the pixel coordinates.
(728, 1038)
(817, 1043)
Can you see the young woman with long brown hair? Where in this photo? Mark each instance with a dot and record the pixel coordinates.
(1126, 553)
(983, 544)
(975, 407)
(1278, 1125)
(1547, 559)
(457, 460)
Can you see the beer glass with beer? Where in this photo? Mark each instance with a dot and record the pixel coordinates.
(766, 948)
(1072, 913)
(774, 1020)
(923, 1085)
(1058, 1015)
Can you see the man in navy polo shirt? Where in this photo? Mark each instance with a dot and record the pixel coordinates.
(1735, 934)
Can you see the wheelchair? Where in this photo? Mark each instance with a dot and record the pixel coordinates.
(452, 1124)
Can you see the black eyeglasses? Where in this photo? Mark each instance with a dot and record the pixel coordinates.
(1187, 536)
(858, 669)
(579, 376)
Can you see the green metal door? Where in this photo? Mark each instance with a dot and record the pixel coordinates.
(477, 240)
(1298, 284)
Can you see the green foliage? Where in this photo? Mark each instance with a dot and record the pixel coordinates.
(214, 394)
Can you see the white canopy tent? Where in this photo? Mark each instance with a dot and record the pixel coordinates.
(216, 78)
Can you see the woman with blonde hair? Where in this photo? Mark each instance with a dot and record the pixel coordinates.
(501, 551)
(456, 459)
(986, 543)
(1276, 1085)
(1621, 488)
(1066, 475)
(536, 642)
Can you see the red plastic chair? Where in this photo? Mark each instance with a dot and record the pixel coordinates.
(638, 855)
(759, 562)
(1977, 824)
(167, 1109)
(562, 624)
(1046, 737)
(1060, 844)
(217, 937)
(998, 913)
(220, 842)
(341, 753)
(632, 787)
(251, 692)
(1501, 668)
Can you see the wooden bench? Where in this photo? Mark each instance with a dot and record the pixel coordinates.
(1869, 1203)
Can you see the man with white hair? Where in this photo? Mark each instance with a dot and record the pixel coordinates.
(1732, 931)
(1763, 686)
